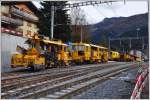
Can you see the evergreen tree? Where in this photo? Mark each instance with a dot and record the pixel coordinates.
(61, 20)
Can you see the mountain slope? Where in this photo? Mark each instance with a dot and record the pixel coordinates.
(119, 27)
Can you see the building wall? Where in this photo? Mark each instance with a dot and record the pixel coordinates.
(8, 47)
(29, 28)
(9, 42)
(5, 9)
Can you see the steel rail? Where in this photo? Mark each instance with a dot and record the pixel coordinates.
(72, 80)
(51, 79)
(87, 85)
(7, 80)
(44, 72)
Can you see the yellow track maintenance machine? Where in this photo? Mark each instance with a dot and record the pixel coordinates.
(104, 56)
(99, 54)
(96, 54)
(60, 50)
(42, 53)
(114, 56)
(125, 57)
(29, 58)
(80, 53)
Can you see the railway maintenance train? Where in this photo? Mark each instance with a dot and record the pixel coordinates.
(88, 53)
(41, 53)
(45, 53)
(114, 56)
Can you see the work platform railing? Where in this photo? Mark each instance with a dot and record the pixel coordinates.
(141, 82)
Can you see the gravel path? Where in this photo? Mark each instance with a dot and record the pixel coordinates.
(119, 87)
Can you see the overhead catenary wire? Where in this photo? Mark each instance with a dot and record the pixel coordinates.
(92, 17)
(72, 6)
(113, 10)
(100, 12)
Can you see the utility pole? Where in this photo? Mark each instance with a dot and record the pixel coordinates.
(138, 29)
(109, 44)
(120, 43)
(124, 1)
(81, 34)
(108, 47)
(52, 21)
(130, 45)
(123, 49)
(143, 44)
(148, 24)
(71, 6)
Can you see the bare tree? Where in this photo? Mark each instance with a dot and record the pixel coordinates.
(80, 30)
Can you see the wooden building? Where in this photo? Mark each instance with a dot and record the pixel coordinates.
(18, 18)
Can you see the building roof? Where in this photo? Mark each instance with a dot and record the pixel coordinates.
(29, 4)
(84, 44)
(101, 47)
(54, 42)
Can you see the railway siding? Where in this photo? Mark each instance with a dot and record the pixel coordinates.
(28, 84)
(40, 89)
(17, 78)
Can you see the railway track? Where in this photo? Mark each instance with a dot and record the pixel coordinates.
(42, 78)
(21, 77)
(57, 85)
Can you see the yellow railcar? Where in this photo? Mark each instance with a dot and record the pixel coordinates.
(61, 51)
(114, 55)
(80, 52)
(104, 52)
(96, 54)
(45, 53)
(126, 57)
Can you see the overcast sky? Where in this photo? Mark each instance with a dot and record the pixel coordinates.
(97, 13)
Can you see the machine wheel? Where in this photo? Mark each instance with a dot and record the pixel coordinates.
(35, 67)
(31, 68)
(63, 64)
(72, 63)
(48, 65)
